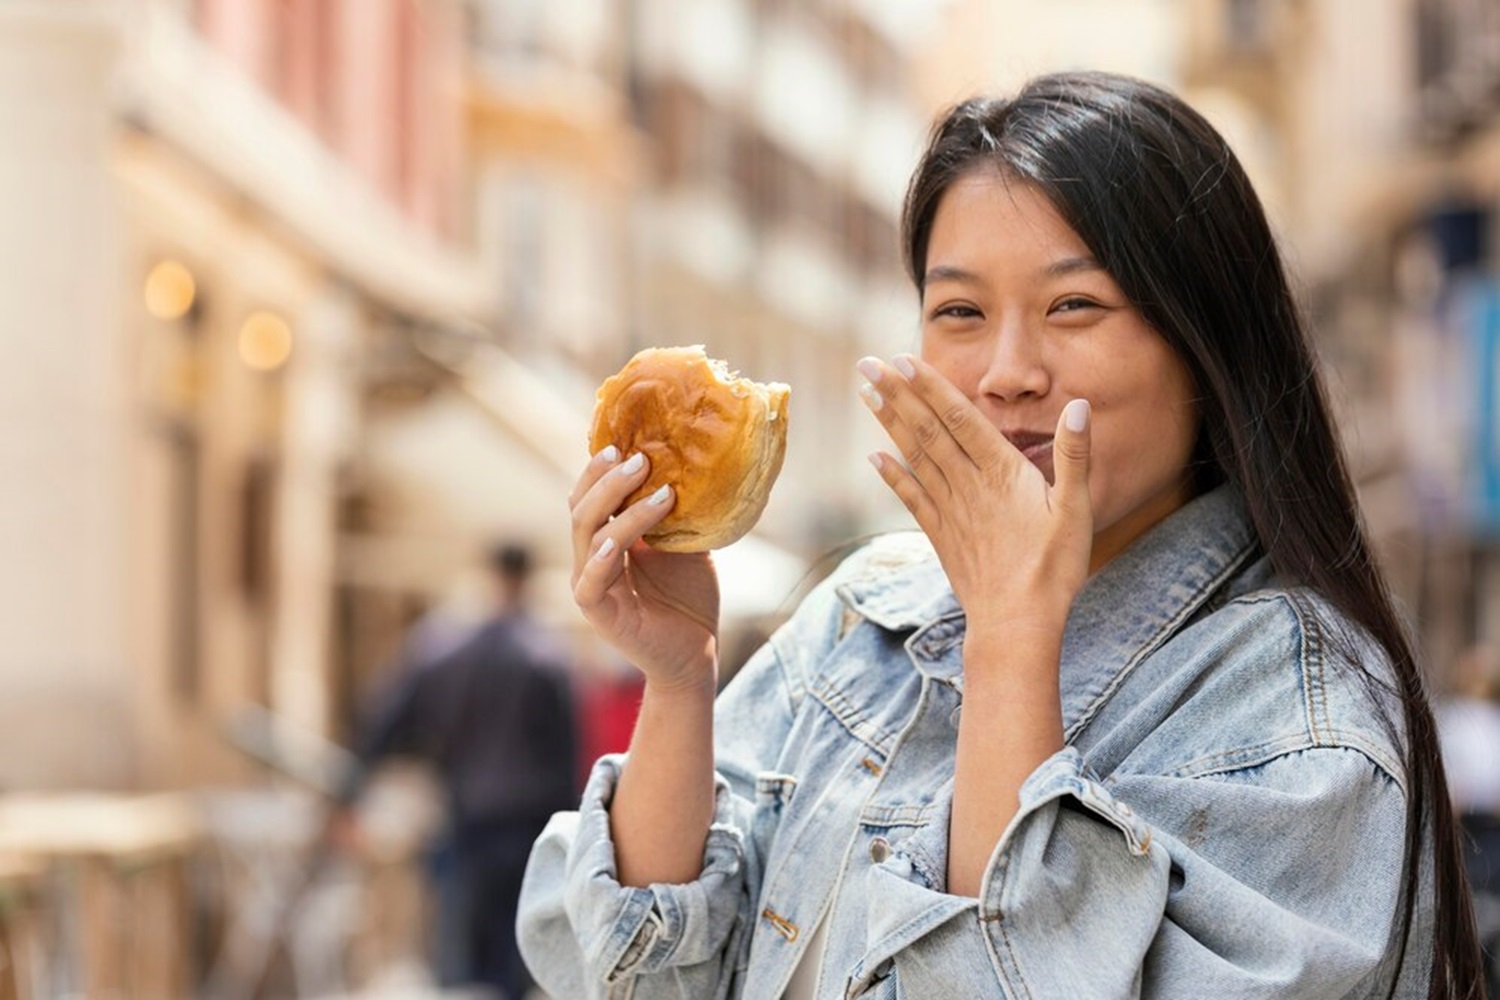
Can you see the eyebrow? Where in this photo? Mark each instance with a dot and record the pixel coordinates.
(1056, 269)
(1072, 265)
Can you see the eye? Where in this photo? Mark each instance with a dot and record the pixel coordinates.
(955, 310)
(1074, 303)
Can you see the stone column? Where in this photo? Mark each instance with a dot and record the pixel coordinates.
(64, 425)
(320, 415)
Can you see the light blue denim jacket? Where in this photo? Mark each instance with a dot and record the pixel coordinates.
(1225, 820)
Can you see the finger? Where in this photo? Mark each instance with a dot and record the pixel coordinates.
(909, 491)
(605, 560)
(973, 435)
(1070, 456)
(603, 497)
(598, 465)
(917, 432)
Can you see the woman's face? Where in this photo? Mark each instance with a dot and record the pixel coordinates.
(1019, 316)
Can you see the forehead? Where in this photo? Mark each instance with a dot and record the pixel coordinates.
(990, 211)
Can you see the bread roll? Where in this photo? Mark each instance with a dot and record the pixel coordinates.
(718, 440)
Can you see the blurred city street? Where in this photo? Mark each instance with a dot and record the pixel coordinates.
(305, 306)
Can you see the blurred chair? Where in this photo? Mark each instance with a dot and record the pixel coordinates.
(293, 916)
(118, 906)
(22, 883)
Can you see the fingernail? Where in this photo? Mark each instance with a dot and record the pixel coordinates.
(902, 363)
(605, 549)
(1076, 415)
(871, 397)
(609, 454)
(633, 464)
(869, 368)
(874, 459)
(661, 495)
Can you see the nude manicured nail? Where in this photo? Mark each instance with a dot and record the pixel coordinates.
(1076, 415)
(869, 368)
(633, 464)
(609, 454)
(903, 364)
(605, 549)
(661, 495)
(872, 398)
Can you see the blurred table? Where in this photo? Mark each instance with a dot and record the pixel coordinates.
(22, 881)
(116, 882)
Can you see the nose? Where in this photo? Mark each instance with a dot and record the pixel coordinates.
(1015, 367)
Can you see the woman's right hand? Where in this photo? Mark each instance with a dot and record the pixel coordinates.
(660, 610)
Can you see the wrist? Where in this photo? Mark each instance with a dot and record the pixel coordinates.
(691, 685)
(1022, 656)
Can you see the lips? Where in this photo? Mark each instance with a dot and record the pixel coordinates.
(1033, 445)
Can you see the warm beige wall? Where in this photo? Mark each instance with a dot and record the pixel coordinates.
(64, 665)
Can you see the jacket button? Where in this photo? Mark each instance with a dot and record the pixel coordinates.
(880, 849)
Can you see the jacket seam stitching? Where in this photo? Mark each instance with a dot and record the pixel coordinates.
(1167, 628)
(1010, 966)
(1338, 740)
(842, 709)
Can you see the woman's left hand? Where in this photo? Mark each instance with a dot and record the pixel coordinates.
(1015, 548)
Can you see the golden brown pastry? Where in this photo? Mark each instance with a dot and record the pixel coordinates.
(716, 438)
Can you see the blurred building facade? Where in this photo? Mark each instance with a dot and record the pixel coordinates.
(318, 293)
(313, 295)
(239, 200)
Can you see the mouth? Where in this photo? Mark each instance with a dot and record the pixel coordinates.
(1037, 448)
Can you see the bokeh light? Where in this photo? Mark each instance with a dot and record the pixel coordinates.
(265, 341)
(170, 290)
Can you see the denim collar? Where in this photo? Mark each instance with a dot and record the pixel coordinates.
(1124, 612)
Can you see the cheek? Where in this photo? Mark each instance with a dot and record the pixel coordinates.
(950, 367)
(957, 365)
(1134, 453)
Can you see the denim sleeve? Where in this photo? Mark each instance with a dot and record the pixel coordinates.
(584, 935)
(1279, 880)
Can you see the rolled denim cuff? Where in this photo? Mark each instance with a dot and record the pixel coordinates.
(1066, 774)
(911, 912)
(625, 931)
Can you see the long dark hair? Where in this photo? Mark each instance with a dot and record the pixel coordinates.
(1166, 208)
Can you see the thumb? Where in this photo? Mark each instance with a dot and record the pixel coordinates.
(1070, 455)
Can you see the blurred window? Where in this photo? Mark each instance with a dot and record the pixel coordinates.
(1457, 63)
(872, 239)
(525, 221)
(509, 33)
(405, 133)
(1246, 28)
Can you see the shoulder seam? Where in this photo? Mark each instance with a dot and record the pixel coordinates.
(1312, 646)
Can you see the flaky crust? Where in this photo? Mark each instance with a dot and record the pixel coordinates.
(716, 439)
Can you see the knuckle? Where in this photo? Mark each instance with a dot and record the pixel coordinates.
(1073, 450)
(956, 416)
(926, 432)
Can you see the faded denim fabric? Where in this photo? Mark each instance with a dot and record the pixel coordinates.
(1226, 819)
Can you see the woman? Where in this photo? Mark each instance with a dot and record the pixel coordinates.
(1132, 715)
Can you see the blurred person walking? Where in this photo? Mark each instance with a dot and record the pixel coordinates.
(495, 719)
